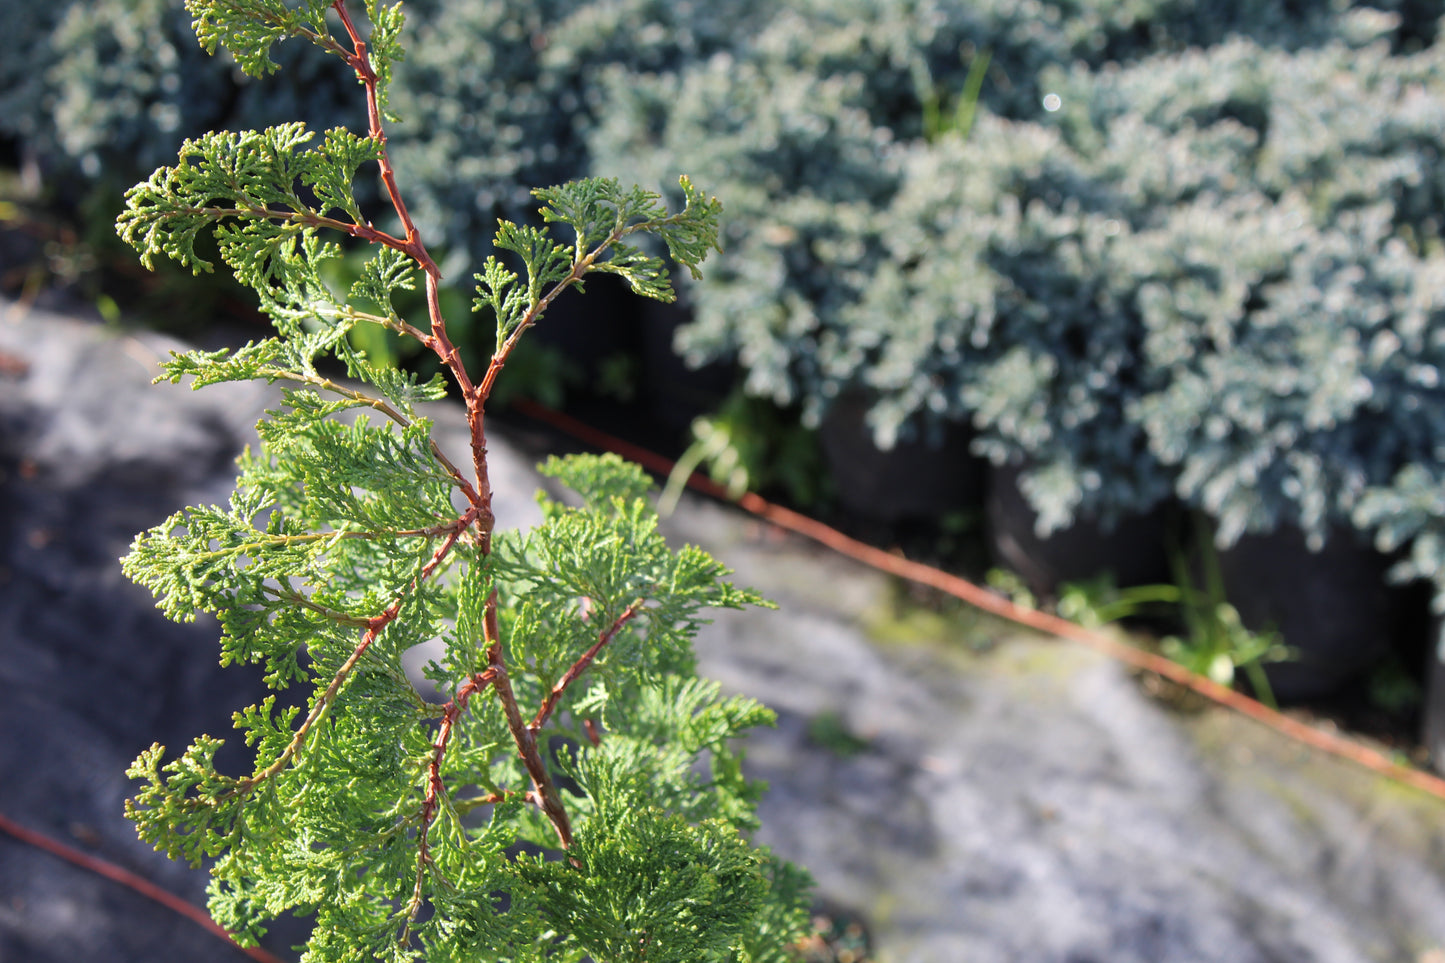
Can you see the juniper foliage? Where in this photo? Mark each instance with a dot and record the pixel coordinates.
(1182, 250)
(579, 794)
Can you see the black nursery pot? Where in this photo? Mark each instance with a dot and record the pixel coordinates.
(587, 328)
(1134, 549)
(675, 393)
(1432, 724)
(911, 480)
(1334, 606)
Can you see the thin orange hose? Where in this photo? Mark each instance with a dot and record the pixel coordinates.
(130, 880)
(982, 598)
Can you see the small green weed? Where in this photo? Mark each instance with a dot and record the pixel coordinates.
(828, 731)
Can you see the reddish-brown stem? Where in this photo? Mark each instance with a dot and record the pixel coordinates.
(360, 61)
(476, 409)
(375, 625)
(476, 397)
(547, 796)
(480, 513)
(580, 666)
(365, 232)
(439, 341)
(450, 713)
(435, 787)
(491, 798)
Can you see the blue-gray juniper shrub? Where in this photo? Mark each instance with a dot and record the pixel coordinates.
(1180, 251)
(1130, 287)
(578, 795)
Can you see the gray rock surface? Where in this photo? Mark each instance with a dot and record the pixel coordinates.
(975, 793)
(1023, 799)
(90, 673)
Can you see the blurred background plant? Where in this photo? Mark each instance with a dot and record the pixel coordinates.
(1190, 620)
(1205, 636)
(1145, 253)
(749, 444)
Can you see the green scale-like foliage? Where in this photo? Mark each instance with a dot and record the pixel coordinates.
(579, 793)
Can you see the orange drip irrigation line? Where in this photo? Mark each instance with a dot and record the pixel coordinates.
(130, 880)
(996, 604)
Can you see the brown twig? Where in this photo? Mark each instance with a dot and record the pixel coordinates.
(438, 340)
(580, 666)
(360, 61)
(480, 515)
(436, 789)
(476, 397)
(375, 625)
(490, 799)
(523, 736)
(365, 232)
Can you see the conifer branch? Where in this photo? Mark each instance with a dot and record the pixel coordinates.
(602, 215)
(308, 218)
(476, 398)
(325, 822)
(296, 598)
(375, 625)
(580, 666)
(436, 790)
(303, 218)
(371, 401)
(547, 797)
(360, 61)
(579, 270)
(265, 540)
